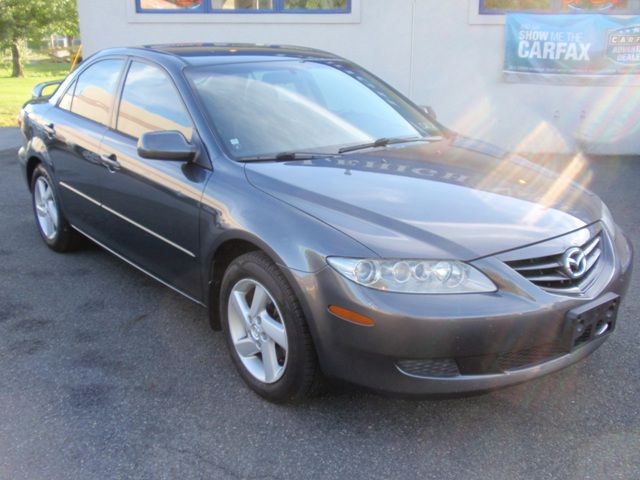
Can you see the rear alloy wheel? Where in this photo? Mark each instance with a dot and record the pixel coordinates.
(46, 208)
(265, 330)
(52, 224)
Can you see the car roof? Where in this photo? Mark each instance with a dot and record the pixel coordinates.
(200, 54)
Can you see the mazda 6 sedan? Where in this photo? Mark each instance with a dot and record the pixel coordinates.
(331, 227)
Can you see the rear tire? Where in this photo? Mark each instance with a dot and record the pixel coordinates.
(53, 226)
(268, 340)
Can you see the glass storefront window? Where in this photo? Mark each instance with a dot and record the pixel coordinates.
(560, 6)
(243, 6)
(170, 4)
(315, 4)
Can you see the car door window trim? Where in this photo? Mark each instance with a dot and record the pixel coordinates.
(127, 219)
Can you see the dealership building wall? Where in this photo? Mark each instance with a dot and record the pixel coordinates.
(439, 53)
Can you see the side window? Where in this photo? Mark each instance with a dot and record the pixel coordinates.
(150, 103)
(67, 98)
(95, 90)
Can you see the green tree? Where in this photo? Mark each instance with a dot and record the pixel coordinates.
(22, 20)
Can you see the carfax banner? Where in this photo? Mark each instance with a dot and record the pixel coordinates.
(575, 46)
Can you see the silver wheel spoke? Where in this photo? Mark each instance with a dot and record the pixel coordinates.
(269, 361)
(48, 194)
(239, 304)
(53, 213)
(246, 347)
(48, 226)
(42, 211)
(259, 301)
(41, 189)
(274, 330)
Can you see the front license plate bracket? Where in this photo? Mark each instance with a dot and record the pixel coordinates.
(593, 319)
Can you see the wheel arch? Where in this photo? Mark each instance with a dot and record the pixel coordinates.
(230, 246)
(32, 162)
(36, 153)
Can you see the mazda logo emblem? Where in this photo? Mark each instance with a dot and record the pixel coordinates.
(574, 262)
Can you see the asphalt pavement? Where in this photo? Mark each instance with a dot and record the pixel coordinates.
(106, 374)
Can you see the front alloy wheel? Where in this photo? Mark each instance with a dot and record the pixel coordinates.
(266, 331)
(257, 331)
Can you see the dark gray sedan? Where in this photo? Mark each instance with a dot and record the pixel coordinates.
(329, 225)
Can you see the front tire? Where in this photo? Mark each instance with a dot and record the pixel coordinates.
(265, 330)
(53, 226)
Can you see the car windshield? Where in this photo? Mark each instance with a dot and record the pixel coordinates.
(263, 109)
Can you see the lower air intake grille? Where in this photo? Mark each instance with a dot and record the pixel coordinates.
(527, 357)
(481, 365)
(432, 367)
(550, 273)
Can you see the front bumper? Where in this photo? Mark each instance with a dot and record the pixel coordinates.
(449, 344)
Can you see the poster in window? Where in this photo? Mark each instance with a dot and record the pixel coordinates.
(572, 48)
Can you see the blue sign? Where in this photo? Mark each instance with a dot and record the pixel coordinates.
(572, 45)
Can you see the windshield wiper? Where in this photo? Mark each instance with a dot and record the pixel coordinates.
(285, 156)
(293, 155)
(383, 142)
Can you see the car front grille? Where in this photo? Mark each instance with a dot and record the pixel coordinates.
(549, 273)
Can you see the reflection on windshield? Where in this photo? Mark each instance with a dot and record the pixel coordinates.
(263, 109)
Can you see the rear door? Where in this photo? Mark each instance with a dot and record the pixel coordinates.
(75, 128)
(154, 205)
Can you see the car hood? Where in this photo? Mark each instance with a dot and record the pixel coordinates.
(455, 198)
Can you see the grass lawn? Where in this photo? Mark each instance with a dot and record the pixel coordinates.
(15, 91)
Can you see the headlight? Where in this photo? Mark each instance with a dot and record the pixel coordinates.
(413, 276)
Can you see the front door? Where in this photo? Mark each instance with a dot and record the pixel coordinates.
(154, 205)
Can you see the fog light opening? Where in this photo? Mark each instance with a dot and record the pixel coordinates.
(351, 316)
(601, 328)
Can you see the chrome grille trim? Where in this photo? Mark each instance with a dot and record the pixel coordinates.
(554, 264)
(548, 272)
(592, 244)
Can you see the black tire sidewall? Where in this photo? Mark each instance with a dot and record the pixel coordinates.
(294, 382)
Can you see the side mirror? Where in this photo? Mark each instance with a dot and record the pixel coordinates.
(166, 145)
(431, 113)
(38, 90)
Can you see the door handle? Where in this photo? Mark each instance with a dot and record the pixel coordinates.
(111, 162)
